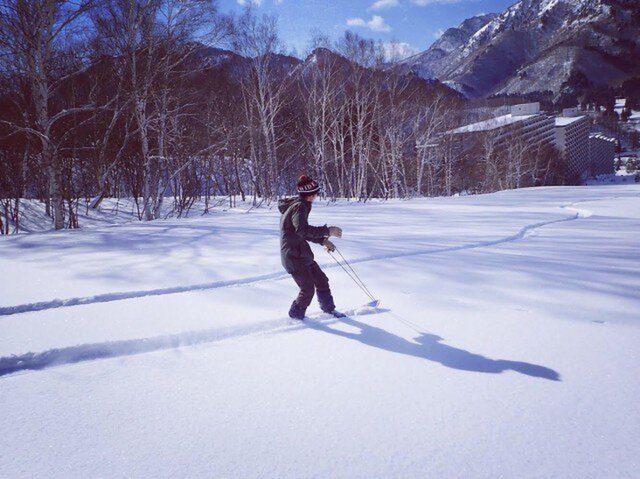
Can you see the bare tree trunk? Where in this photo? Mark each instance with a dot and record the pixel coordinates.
(31, 37)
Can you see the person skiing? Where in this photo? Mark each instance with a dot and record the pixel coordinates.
(295, 252)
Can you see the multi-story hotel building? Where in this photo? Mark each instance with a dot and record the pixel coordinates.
(572, 139)
(585, 155)
(602, 152)
(525, 123)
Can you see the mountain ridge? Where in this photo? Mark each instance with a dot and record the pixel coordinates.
(538, 45)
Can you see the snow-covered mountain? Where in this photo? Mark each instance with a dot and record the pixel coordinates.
(536, 45)
(234, 67)
(432, 62)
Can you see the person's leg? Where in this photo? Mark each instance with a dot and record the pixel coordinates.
(321, 283)
(304, 280)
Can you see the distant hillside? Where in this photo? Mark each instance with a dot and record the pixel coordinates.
(537, 45)
(432, 63)
(235, 67)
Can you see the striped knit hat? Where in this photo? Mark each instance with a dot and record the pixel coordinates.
(307, 186)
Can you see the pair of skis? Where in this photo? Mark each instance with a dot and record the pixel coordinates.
(369, 308)
(334, 313)
(371, 305)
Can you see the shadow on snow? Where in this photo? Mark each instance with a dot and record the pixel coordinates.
(430, 347)
(427, 346)
(130, 347)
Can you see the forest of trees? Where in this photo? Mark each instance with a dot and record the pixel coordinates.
(138, 99)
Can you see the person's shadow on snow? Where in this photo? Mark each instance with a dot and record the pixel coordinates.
(429, 346)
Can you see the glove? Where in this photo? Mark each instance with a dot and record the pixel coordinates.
(328, 246)
(335, 231)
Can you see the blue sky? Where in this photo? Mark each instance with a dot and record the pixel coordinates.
(413, 23)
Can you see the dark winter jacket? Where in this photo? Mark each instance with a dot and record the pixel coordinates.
(295, 231)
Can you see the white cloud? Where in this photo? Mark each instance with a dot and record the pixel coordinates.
(356, 22)
(380, 4)
(423, 3)
(376, 24)
(394, 51)
(257, 3)
(438, 34)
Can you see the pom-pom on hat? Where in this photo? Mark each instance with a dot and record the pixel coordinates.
(307, 186)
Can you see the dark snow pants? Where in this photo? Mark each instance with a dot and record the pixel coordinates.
(309, 280)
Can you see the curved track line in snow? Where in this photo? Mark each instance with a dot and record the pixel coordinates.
(523, 233)
(112, 349)
(582, 213)
(129, 347)
(109, 297)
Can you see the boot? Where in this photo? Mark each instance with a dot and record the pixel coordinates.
(296, 312)
(326, 301)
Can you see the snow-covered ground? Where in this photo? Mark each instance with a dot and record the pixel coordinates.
(620, 177)
(507, 345)
(634, 119)
(33, 217)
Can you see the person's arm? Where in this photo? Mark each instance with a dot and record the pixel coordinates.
(333, 231)
(316, 234)
(318, 240)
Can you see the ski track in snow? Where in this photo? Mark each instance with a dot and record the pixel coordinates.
(109, 297)
(113, 349)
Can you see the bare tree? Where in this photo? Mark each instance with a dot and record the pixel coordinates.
(491, 157)
(361, 101)
(128, 25)
(519, 159)
(437, 115)
(33, 35)
(264, 96)
(156, 39)
(397, 131)
(320, 89)
(182, 27)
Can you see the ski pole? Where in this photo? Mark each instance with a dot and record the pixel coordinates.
(351, 275)
(374, 302)
(356, 275)
(365, 290)
(412, 325)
